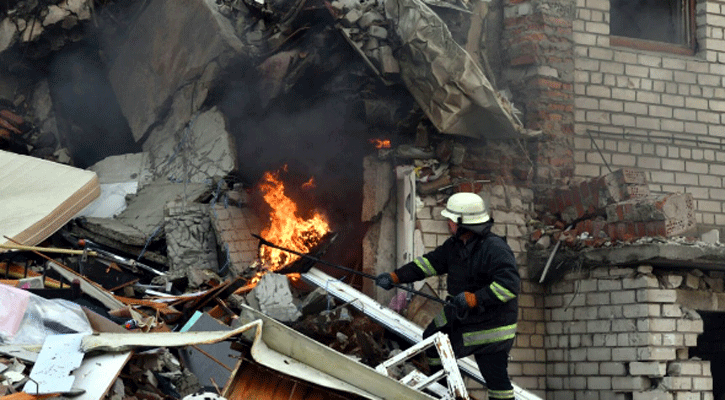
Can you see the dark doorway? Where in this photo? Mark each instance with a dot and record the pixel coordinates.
(711, 347)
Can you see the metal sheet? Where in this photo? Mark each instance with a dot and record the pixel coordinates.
(274, 346)
(97, 373)
(205, 368)
(393, 321)
(307, 359)
(59, 356)
(444, 79)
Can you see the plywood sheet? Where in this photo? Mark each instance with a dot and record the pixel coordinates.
(38, 197)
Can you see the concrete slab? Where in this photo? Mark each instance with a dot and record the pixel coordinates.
(659, 254)
(124, 168)
(199, 152)
(145, 211)
(275, 298)
(160, 60)
(190, 241)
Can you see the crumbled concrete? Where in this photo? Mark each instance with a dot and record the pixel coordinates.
(233, 227)
(124, 168)
(145, 211)
(44, 116)
(8, 34)
(711, 237)
(190, 241)
(377, 187)
(698, 255)
(275, 298)
(198, 153)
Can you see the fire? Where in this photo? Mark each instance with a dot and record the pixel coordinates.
(380, 143)
(286, 229)
(309, 184)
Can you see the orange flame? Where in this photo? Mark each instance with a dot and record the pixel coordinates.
(309, 184)
(380, 143)
(285, 228)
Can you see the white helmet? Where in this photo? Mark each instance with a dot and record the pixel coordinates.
(466, 209)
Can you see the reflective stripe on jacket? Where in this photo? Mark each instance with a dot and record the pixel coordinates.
(485, 266)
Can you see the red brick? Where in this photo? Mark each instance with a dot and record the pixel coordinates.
(523, 60)
(470, 187)
(536, 235)
(612, 231)
(675, 211)
(597, 227)
(584, 191)
(583, 226)
(622, 230)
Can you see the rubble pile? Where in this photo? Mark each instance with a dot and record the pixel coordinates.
(615, 220)
(617, 207)
(160, 266)
(47, 312)
(48, 24)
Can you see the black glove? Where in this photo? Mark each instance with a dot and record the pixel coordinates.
(460, 302)
(385, 281)
(461, 305)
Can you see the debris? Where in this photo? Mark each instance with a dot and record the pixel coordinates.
(97, 374)
(190, 241)
(58, 358)
(87, 286)
(275, 298)
(32, 318)
(443, 78)
(185, 84)
(38, 208)
(209, 362)
(391, 320)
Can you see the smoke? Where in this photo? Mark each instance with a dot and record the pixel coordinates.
(90, 120)
(315, 126)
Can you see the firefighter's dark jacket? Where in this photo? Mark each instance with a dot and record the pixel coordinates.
(485, 266)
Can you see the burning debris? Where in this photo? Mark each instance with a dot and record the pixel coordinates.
(111, 290)
(286, 227)
(197, 131)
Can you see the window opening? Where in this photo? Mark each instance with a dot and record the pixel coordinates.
(668, 21)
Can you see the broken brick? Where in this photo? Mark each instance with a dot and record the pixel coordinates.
(536, 235)
(592, 196)
(676, 211)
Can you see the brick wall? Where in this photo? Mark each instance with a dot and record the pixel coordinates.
(657, 111)
(622, 333)
(537, 36)
(511, 208)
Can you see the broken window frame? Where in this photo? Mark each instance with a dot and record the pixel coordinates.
(684, 42)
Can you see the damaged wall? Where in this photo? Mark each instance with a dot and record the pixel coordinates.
(623, 333)
(660, 111)
(539, 71)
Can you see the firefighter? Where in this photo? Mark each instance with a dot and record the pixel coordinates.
(483, 286)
